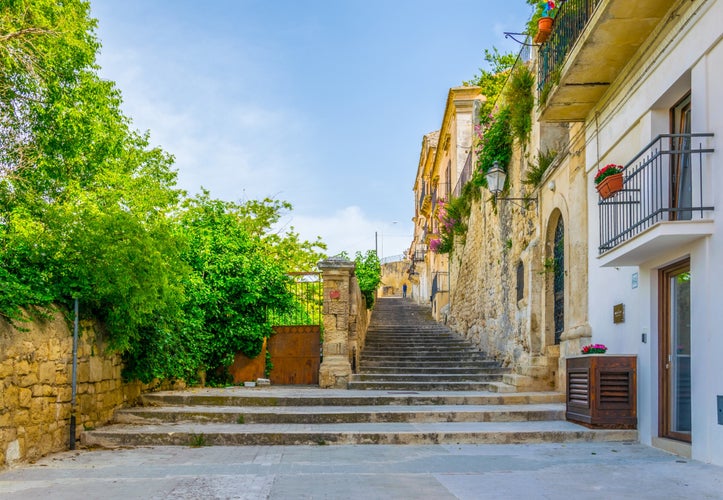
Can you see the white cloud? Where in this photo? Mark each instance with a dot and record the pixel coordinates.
(351, 230)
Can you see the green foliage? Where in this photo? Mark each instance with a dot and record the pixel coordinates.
(197, 440)
(453, 216)
(235, 280)
(368, 273)
(89, 210)
(520, 100)
(540, 9)
(492, 80)
(495, 144)
(537, 171)
(268, 365)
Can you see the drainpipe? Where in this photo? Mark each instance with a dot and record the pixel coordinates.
(74, 383)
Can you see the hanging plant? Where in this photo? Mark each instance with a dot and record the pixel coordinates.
(495, 144)
(521, 101)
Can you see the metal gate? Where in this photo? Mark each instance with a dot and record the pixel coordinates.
(295, 346)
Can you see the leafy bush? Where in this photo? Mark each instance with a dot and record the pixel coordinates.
(369, 275)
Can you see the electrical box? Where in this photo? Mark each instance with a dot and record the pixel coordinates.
(720, 410)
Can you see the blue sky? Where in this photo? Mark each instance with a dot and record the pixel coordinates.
(322, 103)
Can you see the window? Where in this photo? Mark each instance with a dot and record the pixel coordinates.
(520, 281)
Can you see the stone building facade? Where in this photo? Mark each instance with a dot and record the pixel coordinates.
(444, 165)
(635, 84)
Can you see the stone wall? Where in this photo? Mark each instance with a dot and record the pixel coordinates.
(35, 386)
(510, 237)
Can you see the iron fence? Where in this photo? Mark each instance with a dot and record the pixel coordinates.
(664, 182)
(571, 19)
(308, 291)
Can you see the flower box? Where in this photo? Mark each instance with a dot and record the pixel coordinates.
(610, 185)
(601, 391)
(544, 29)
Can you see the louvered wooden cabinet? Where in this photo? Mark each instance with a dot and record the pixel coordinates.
(601, 391)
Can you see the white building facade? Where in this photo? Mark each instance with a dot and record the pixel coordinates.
(653, 103)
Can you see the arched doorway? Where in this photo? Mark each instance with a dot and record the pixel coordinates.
(558, 279)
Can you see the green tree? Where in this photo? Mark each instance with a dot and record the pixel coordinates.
(89, 210)
(369, 274)
(236, 281)
(492, 80)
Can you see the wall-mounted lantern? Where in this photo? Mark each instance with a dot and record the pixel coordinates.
(496, 184)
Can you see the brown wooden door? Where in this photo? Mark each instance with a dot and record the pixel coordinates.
(675, 352)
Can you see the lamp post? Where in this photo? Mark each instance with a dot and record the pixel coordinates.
(381, 256)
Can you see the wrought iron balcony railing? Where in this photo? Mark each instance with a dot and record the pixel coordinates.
(664, 182)
(571, 19)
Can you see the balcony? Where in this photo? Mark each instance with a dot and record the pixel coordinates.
(666, 201)
(420, 251)
(590, 44)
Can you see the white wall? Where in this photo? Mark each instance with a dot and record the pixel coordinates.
(634, 112)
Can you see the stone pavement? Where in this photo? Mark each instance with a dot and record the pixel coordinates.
(549, 471)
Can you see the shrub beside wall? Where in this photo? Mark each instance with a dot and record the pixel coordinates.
(35, 386)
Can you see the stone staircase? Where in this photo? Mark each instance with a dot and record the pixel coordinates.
(418, 383)
(407, 350)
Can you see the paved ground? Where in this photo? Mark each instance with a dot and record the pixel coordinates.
(549, 471)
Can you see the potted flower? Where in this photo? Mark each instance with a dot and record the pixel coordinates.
(609, 180)
(594, 349)
(544, 23)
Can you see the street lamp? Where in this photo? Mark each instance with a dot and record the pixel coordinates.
(376, 241)
(496, 184)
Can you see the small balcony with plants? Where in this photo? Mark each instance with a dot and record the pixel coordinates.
(589, 44)
(659, 200)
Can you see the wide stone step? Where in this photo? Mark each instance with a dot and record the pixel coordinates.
(451, 368)
(492, 386)
(426, 377)
(421, 358)
(432, 346)
(219, 434)
(340, 414)
(309, 396)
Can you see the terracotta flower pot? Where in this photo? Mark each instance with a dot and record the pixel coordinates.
(610, 185)
(544, 28)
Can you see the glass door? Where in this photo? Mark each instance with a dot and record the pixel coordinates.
(681, 189)
(675, 366)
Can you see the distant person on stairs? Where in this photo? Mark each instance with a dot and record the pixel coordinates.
(404, 290)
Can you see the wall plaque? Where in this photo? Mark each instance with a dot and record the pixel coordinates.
(619, 313)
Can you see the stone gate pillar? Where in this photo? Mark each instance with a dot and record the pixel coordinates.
(335, 368)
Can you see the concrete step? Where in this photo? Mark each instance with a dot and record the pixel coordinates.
(220, 434)
(340, 414)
